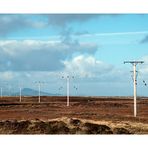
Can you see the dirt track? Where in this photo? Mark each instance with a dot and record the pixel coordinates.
(85, 108)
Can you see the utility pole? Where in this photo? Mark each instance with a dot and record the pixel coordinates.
(68, 91)
(68, 88)
(20, 92)
(39, 87)
(9, 87)
(1, 92)
(39, 92)
(134, 63)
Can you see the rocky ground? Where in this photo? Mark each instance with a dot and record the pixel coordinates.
(85, 115)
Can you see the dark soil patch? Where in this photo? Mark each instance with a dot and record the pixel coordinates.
(14, 127)
(121, 131)
(91, 128)
(75, 122)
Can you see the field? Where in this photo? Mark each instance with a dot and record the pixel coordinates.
(85, 115)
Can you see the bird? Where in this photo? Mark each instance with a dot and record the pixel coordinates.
(75, 87)
(144, 83)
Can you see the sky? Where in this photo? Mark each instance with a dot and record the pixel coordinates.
(90, 47)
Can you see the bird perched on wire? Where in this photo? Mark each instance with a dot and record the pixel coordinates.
(75, 87)
(144, 83)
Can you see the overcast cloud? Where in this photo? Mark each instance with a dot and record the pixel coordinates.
(10, 23)
(32, 55)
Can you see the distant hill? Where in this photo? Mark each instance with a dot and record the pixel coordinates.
(32, 92)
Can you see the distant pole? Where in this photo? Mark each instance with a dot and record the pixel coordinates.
(39, 92)
(20, 94)
(20, 87)
(135, 90)
(1, 92)
(39, 89)
(9, 90)
(134, 63)
(68, 90)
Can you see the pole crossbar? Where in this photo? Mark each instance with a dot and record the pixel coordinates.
(134, 62)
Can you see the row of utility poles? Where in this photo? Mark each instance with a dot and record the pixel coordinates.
(39, 83)
(20, 91)
(134, 63)
(68, 78)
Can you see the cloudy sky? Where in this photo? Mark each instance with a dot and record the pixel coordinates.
(90, 47)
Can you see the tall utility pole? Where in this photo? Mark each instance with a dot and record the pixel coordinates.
(20, 94)
(68, 87)
(134, 63)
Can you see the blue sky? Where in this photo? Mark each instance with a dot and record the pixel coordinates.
(91, 47)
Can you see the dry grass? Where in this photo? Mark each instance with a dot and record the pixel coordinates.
(85, 115)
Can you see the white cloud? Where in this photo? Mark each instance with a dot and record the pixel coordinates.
(6, 76)
(86, 66)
